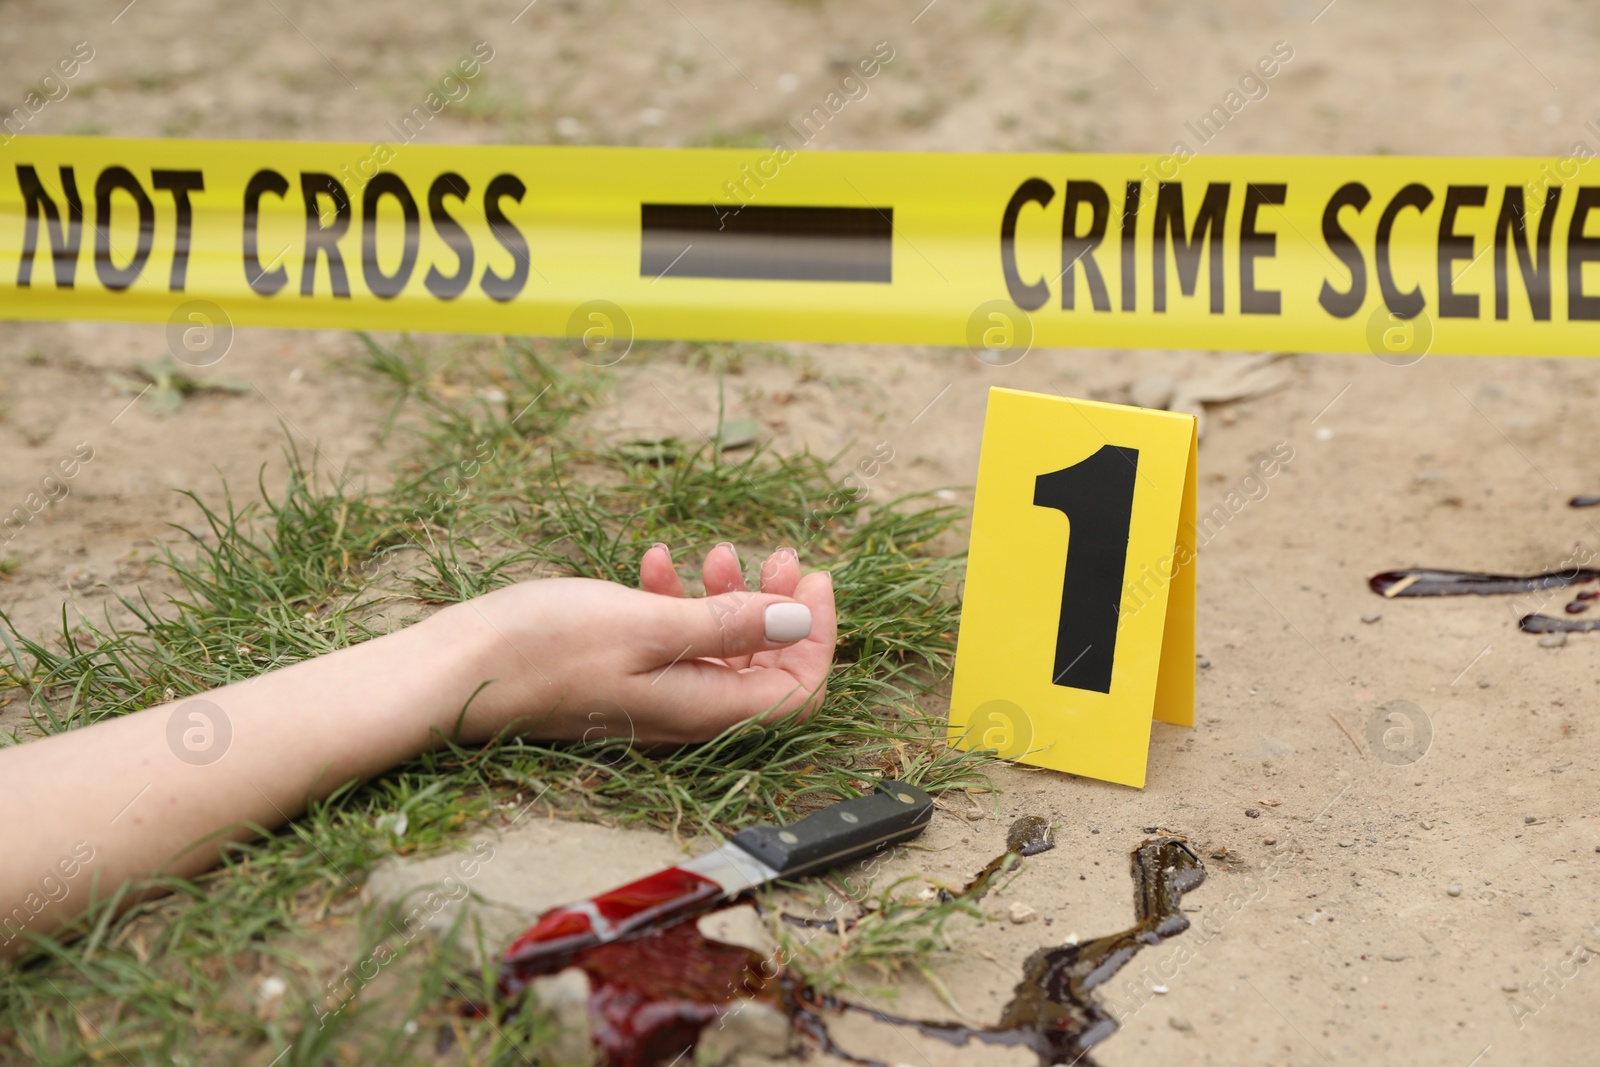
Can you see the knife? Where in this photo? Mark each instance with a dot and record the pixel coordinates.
(845, 831)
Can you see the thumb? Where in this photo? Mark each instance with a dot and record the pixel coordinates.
(735, 624)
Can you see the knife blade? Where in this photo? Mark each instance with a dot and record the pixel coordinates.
(836, 834)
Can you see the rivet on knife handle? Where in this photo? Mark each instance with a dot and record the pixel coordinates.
(840, 833)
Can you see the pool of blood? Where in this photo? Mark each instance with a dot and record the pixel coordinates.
(1428, 582)
(1053, 1010)
(653, 993)
(1424, 582)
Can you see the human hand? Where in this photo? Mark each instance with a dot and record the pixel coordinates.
(576, 658)
(568, 658)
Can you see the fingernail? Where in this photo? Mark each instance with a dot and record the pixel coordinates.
(787, 622)
(663, 546)
(729, 546)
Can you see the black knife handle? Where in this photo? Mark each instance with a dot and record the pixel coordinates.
(843, 832)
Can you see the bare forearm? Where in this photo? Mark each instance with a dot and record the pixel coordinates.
(161, 789)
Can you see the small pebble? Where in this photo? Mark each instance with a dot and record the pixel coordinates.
(1178, 1022)
(1529, 820)
(1202, 662)
(1347, 843)
(1269, 840)
(1552, 640)
(1511, 987)
(1158, 989)
(1152, 828)
(1030, 835)
(1483, 683)
(1252, 813)
(1391, 959)
(1022, 913)
(1454, 890)
(1371, 617)
(1427, 824)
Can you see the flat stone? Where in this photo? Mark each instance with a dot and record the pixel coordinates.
(1020, 913)
(534, 865)
(1552, 640)
(740, 926)
(563, 1000)
(1371, 617)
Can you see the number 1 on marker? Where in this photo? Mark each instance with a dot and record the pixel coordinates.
(1073, 674)
(1096, 496)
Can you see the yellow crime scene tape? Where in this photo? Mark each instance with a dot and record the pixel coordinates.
(1389, 255)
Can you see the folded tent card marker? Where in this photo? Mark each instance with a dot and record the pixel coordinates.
(1077, 625)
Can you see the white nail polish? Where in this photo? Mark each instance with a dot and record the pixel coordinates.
(787, 622)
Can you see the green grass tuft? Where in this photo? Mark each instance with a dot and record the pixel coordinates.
(497, 484)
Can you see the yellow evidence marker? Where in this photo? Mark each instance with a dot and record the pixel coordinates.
(1078, 618)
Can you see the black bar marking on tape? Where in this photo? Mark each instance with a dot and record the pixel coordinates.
(801, 244)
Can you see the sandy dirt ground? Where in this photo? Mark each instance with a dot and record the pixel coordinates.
(1430, 910)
